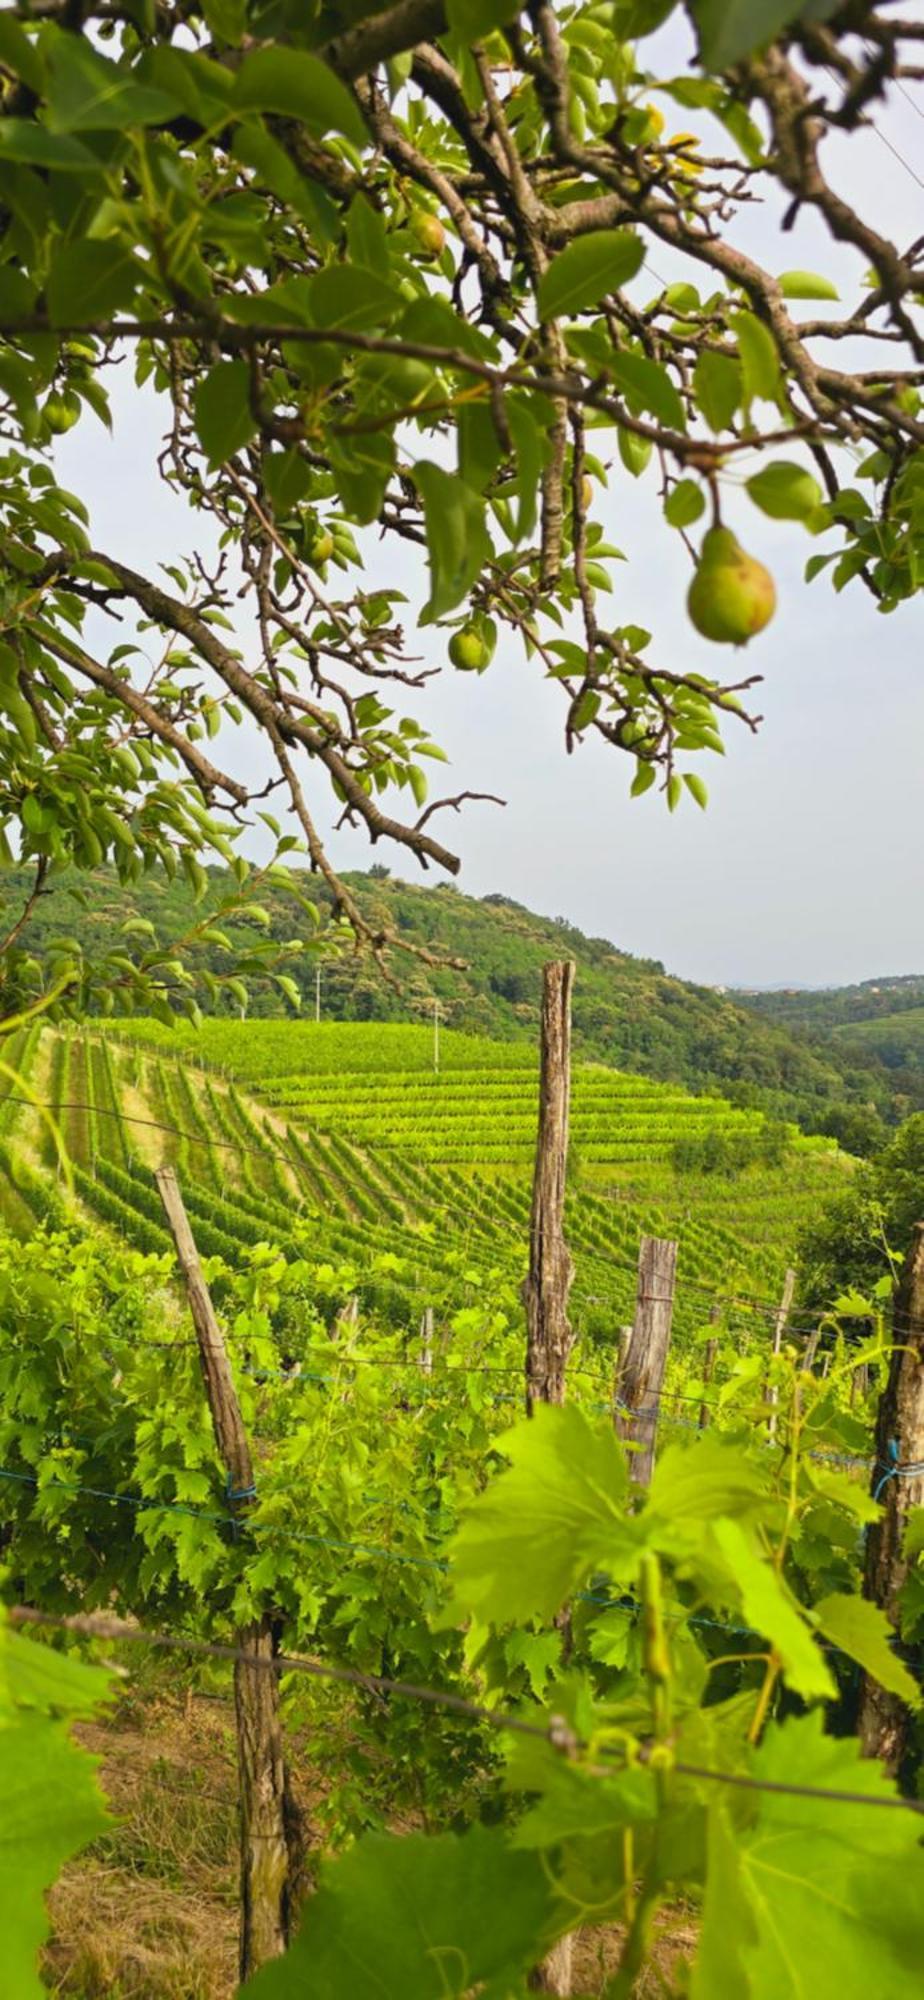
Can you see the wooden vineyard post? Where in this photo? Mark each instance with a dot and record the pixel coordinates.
(548, 1332)
(709, 1361)
(779, 1327)
(898, 1481)
(643, 1373)
(266, 1818)
(426, 1341)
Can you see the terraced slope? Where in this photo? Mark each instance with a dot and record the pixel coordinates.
(436, 1217)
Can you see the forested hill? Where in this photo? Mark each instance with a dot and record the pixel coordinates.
(628, 1012)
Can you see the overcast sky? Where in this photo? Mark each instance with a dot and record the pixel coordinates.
(807, 866)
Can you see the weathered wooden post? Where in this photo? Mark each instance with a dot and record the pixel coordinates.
(646, 1360)
(269, 1843)
(779, 1327)
(898, 1481)
(426, 1341)
(549, 1337)
(548, 1333)
(710, 1354)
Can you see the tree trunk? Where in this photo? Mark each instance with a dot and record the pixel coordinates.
(884, 1718)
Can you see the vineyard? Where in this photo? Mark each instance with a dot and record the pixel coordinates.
(343, 1144)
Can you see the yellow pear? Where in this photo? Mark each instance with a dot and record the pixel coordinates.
(732, 595)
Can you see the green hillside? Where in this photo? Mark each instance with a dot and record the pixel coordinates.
(341, 1146)
(628, 1012)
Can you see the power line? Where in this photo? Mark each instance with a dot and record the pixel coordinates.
(556, 1731)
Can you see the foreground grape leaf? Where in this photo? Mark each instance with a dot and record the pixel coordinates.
(558, 1514)
(418, 1918)
(50, 1798)
(809, 1899)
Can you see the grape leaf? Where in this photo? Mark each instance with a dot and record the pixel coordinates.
(773, 1612)
(808, 1899)
(863, 1631)
(423, 1918)
(51, 1801)
(558, 1514)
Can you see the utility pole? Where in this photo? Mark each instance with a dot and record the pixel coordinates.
(317, 993)
(436, 1037)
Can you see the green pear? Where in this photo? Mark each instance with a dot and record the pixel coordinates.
(467, 650)
(732, 595)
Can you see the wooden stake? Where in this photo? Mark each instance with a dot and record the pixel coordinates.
(548, 1333)
(268, 1842)
(779, 1328)
(426, 1341)
(647, 1357)
(884, 1720)
(709, 1361)
(549, 1337)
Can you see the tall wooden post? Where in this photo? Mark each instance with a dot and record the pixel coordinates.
(267, 1832)
(884, 1718)
(646, 1360)
(710, 1354)
(779, 1327)
(426, 1341)
(548, 1333)
(549, 1337)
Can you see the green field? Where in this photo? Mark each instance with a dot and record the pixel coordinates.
(340, 1145)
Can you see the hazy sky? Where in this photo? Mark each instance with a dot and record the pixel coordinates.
(807, 866)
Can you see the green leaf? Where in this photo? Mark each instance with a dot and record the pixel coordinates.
(809, 1898)
(697, 789)
(634, 451)
(88, 93)
(458, 543)
(406, 1916)
(294, 84)
(587, 270)
(545, 1525)
(20, 54)
(472, 20)
(51, 1801)
(806, 285)
(785, 491)
(695, 1482)
(647, 386)
(35, 147)
(768, 1605)
(863, 1631)
(730, 29)
(759, 358)
(718, 385)
(87, 281)
(221, 404)
(350, 297)
(685, 503)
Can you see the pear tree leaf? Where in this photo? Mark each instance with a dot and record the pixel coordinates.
(298, 85)
(730, 29)
(806, 285)
(718, 385)
(587, 270)
(224, 419)
(458, 543)
(785, 491)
